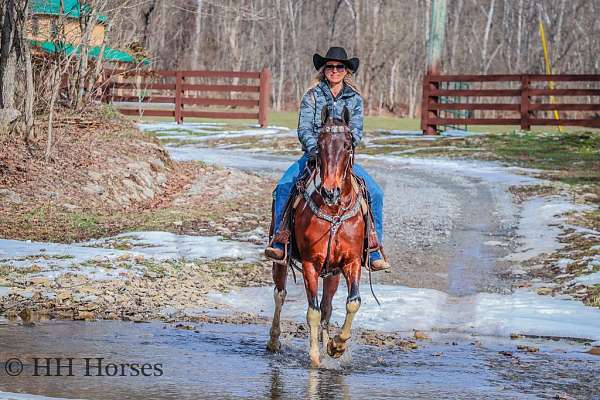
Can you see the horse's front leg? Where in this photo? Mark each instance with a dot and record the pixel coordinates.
(337, 346)
(313, 314)
(330, 285)
(279, 293)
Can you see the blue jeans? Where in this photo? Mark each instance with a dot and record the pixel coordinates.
(285, 185)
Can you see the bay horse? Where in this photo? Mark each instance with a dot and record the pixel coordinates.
(329, 232)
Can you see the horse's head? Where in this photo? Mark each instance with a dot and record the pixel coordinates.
(335, 155)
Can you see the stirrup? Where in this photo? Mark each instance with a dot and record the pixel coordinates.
(383, 265)
(269, 254)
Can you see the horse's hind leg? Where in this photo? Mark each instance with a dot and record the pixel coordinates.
(337, 346)
(279, 293)
(330, 285)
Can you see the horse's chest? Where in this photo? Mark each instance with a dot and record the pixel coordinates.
(313, 235)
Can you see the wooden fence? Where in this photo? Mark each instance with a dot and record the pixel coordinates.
(524, 98)
(178, 93)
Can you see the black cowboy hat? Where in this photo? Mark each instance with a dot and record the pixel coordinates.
(336, 54)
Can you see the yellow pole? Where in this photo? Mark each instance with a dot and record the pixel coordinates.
(548, 69)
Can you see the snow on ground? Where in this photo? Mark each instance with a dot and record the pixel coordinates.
(229, 158)
(208, 131)
(539, 226)
(404, 309)
(56, 259)
(484, 170)
(588, 280)
(166, 245)
(23, 253)
(173, 126)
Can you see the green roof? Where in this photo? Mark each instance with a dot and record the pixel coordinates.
(109, 54)
(52, 7)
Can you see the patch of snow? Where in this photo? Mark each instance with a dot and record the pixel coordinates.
(280, 128)
(495, 243)
(589, 280)
(230, 158)
(173, 126)
(457, 133)
(487, 171)
(236, 134)
(404, 309)
(538, 228)
(166, 245)
(82, 258)
(257, 235)
(398, 132)
(90, 272)
(45, 254)
(563, 263)
(4, 291)
(208, 131)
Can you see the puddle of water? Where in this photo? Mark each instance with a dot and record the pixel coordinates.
(403, 309)
(229, 362)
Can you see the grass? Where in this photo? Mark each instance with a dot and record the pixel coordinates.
(289, 119)
(573, 158)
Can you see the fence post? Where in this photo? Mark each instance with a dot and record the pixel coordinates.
(525, 125)
(178, 97)
(426, 114)
(424, 103)
(263, 98)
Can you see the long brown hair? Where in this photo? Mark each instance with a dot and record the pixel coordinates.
(348, 80)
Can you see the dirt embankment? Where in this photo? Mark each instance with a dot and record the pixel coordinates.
(96, 162)
(105, 177)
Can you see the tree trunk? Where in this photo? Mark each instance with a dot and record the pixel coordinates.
(55, 78)
(8, 57)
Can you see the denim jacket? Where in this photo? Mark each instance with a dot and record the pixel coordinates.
(313, 101)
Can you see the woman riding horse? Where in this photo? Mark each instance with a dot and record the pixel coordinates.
(333, 88)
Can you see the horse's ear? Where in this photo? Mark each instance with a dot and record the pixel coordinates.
(324, 114)
(346, 115)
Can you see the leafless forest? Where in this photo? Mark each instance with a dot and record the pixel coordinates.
(389, 36)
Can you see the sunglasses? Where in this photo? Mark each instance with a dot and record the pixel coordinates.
(339, 67)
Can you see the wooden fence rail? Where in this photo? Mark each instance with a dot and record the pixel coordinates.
(141, 88)
(517, 106)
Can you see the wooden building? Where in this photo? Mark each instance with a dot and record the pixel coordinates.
(55, 24)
